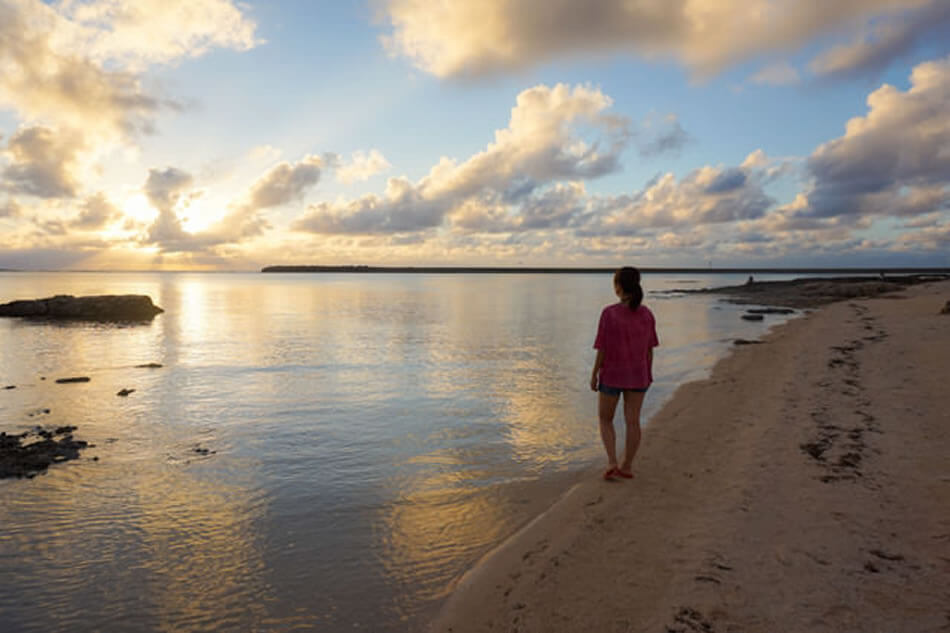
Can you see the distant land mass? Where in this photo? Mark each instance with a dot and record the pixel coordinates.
(560, 270)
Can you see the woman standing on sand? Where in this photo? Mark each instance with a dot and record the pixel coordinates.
(626, 336)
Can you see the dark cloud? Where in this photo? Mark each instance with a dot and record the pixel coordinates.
(889, 40)
(728, 180)
(662, 137)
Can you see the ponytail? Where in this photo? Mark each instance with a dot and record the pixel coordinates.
(628, 280)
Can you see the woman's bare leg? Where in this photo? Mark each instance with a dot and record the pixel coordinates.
(632, 403)
(606, 406)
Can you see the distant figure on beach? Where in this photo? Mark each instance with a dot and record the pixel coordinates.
(626, 336)
(749, 281)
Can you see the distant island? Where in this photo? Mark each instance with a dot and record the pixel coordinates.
(563, 270)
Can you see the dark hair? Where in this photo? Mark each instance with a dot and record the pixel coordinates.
(628, 278)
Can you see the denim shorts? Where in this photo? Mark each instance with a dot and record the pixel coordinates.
(616, 391)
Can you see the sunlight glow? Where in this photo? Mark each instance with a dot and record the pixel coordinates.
(138, 208)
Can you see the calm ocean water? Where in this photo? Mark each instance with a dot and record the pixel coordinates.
(369, 437)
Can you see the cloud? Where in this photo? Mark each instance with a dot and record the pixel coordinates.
(10, 209)
(661, 135)
(893, 161)
(165, 189)
(76, 64)
(556, 207)
(555, 134)
(471, 38)
(402, 207)
(933, 238)
(140, 32)
(43, 78)
(171, 190)
(362, 167)
(96, 213)
(878, 46)
(285, 182)
(42, 162)
(708, 195)
(777, 74)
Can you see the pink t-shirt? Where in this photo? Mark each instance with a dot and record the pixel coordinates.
(626, 336)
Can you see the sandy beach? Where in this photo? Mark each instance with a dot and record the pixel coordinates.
(804, 486)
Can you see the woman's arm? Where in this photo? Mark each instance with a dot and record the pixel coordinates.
(594, 375)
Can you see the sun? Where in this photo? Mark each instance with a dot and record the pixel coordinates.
(138, 208)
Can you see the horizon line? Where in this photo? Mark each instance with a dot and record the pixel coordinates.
(359, 268)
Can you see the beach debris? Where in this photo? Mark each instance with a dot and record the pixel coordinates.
(10, 387)
(149, 366)
(742, 341)
(946, 309)
(73, 379)
(204, 451)
(29, 453)
(36, 412)
(91, 308)
(688, 619)
(885, 555)
(752, 317)
(124, 392)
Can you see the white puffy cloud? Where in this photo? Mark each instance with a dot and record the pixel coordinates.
(708, 195)
(362, 166)
(43, 77)
(42, 162)
(544, 143)
(893, 161)
(474, 37)
(135, 33)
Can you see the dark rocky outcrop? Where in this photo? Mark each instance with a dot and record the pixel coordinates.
(30, 453)
(946, 309)
(752, 317)
(92, 308)
(811, 292)
(124, 392)
(63, 381)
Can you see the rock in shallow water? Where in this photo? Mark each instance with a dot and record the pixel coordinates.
(18, 459)
(92, 308)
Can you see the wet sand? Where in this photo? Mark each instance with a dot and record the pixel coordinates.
(805, 486)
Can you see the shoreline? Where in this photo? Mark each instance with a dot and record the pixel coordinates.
(755, 485)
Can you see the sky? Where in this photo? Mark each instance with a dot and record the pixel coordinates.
(221, 135)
